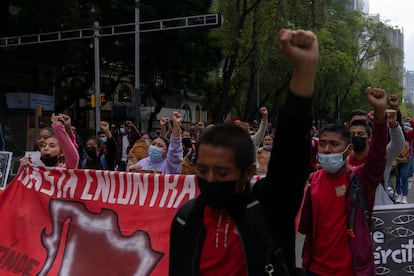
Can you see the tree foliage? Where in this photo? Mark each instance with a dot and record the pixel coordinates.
(254, 71)
(237, 67)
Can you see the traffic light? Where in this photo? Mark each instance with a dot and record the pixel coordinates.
(93, 100)
(39, 110)
(102, 100)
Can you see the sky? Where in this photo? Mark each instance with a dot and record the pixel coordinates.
(398, 13)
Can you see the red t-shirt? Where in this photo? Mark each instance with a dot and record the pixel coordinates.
(331, 251)
(354, 162)
(222, 252)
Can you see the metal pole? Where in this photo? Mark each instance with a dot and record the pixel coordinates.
(97, 76)
(137, 76)
(36, 133)
(258, 89)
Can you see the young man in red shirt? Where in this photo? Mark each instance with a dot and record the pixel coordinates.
(338, 240)
(219, 234)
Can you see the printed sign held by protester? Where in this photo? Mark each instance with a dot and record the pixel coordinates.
(5, 163)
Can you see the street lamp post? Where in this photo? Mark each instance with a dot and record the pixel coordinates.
(137, 76)
(97, 76)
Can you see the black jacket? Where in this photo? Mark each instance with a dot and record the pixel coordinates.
(279, 193)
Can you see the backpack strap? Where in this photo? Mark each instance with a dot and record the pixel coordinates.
(356, 197)
(184, 212)
(275, 260)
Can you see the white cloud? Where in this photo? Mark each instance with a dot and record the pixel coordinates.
(398, 13)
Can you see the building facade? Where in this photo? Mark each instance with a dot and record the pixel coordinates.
(409, 86)
(361, 5)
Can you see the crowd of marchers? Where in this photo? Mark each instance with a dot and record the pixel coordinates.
(322, 182)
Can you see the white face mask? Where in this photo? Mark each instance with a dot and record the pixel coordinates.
(332, 162)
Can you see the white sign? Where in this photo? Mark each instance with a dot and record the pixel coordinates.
(35, 157)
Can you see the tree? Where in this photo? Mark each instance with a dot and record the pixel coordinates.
(180, 58)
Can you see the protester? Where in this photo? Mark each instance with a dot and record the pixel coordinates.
(358, 114)
(263, 154)
(165, 127)
(258, 136)
(220, 232)
(165, 156)
(139, 150)
(406, 170)
(200, 128)
(57, 150)
(128, 135)
(192, 127)
(402, 166)
(44, 133)
(336, 225)
(79, 142)
(96, 157)
(361, 137)
(188, 153)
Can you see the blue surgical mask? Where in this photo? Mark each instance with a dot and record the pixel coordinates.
(103, 139)
(155, 153)
(268, 147)
(122, 130)
(332, 162)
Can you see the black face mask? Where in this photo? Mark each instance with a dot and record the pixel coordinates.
(218, 194)
(91, 152)
(49, 161)
(359, 143)
(186, 142)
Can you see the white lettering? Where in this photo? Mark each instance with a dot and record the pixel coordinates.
(48, 179)
(169, 186)
(142, 189)
(85, 193)
(378, 237)
(70, 185)
(155, 190)
(102, 187)
(112, 185)
(189, 189)
(398, 256)
(124, 197)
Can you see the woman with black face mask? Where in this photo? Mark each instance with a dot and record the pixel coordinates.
(100, 152)
(59, 149)
(188, 153)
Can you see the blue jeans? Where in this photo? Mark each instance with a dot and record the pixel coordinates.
(411, 164)
(401, 184)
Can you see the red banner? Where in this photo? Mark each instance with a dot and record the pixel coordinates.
(87, 222)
